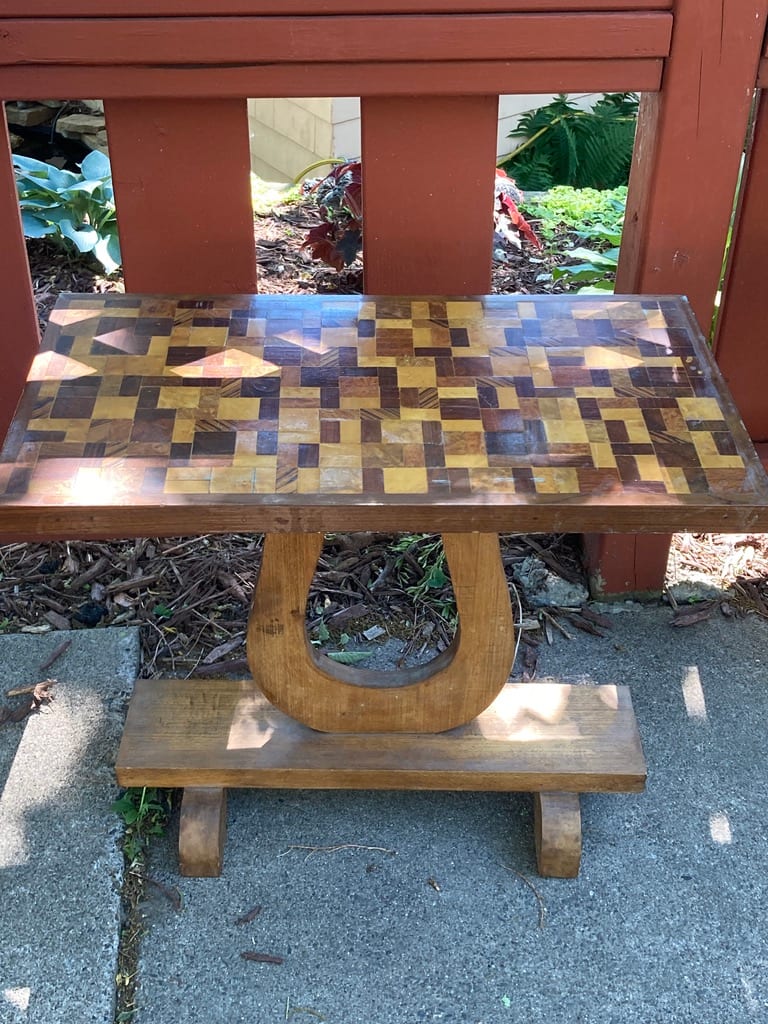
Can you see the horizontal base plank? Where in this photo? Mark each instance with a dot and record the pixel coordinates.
(534, 737)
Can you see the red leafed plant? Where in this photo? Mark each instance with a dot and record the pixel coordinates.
(339, 239)
(507, 219)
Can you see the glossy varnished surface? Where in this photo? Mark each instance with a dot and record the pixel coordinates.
(586, 411)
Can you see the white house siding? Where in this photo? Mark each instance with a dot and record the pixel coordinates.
(288, 135)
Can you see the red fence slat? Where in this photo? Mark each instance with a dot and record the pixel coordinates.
(742, 338)
(381, 79)
(428, 167)
(201, 41)
(187, 8)
(183, 205)
(687, 154)
(20, 333)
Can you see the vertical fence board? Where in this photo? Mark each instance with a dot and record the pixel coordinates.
(428, 169)
(689, 142)
(622, 564)
(20, 335)
(742, 337)
(689, 145)
(182, 188)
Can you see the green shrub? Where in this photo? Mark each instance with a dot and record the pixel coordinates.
(587, 212)
(75, 210)
(567, 217)
(568, 146)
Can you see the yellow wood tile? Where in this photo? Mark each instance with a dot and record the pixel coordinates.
(602, 456)
(405, 481)
(556, 480)
(401, 432)
(484, 480)
(416, 377)
(709, 456)
(115, 407)
(349, 432)
(237, 408)
(234, 480)
(340, 480)
(468, 426)
(464, 460)
(340, 456)
(565, 432)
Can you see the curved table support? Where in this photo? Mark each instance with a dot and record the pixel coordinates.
(450, 691)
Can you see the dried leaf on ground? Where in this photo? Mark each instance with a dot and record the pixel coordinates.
(40, 694)
(262, 958)
(585, 624)
(54, 655)
(752, 595)
(603, 621)
(222, 650)
(689, 615)
(249, 915)
(171, 893)
(530, 661)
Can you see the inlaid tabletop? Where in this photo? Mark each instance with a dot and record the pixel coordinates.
(357, 412)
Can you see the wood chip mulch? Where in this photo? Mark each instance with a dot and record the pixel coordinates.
(190, 596)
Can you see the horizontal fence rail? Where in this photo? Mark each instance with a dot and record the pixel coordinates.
(170, 8)
(386, 78)
(358, 39)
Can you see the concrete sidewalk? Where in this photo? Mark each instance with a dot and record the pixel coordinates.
(432, 911)
(61, 865)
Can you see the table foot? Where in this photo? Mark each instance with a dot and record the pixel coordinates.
(202, 831)
(557, 821)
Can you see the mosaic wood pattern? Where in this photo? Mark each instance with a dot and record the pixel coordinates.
(277, 412)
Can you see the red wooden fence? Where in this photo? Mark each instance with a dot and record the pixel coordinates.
(741, 344)
(429, 73)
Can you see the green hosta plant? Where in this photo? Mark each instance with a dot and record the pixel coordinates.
(76, 210)
(594, 272)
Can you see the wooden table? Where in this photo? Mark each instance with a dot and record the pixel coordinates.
(299, 415)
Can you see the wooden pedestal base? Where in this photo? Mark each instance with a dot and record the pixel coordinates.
(551, 739)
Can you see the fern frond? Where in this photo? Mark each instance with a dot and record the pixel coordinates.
(576, 147)
(532, 172)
